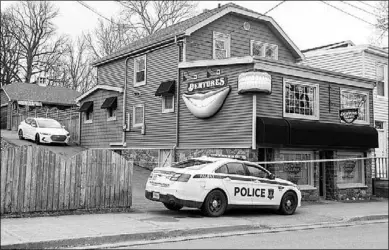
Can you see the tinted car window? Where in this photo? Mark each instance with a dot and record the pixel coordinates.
(236, 168)
(222, 170)
(257, 172)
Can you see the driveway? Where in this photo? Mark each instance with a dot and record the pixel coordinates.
(63, 150)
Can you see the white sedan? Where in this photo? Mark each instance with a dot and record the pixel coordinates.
(43, 130)
(215, 183)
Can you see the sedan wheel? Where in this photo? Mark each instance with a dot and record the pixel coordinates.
(288, 203)
(37, 139)
(20, 134)
(215, 204)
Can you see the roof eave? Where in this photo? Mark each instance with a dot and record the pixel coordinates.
(106, 87)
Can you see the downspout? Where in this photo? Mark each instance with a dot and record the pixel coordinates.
(177, 101)
(124, 143)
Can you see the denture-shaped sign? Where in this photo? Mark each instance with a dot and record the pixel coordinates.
(204, 105)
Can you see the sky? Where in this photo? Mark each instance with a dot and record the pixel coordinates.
(307, 23)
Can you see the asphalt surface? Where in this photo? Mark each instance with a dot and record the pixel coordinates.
(366, 236)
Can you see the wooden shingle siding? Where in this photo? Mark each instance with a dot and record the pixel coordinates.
(271, 105)
(199, 44)
(160, 127)
(230, 127)
(347, 63)
(101, 132)
(112, 73)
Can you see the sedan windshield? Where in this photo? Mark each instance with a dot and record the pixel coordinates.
(49, 124)
(189, 163)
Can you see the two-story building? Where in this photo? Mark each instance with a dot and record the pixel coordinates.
(365, 61)
(228, 82)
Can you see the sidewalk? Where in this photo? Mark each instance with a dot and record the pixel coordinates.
(95, 229)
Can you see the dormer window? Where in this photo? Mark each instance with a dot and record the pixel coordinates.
(267, 50)
(221, 45)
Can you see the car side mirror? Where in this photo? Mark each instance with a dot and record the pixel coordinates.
(271, 176)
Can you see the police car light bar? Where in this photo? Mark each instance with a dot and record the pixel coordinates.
(242, 157)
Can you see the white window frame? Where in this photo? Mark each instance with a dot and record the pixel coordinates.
(316, 110)
(311, 180)
(263, 52)
(138, 125)
(91, 117)
(164, 110)
(349, 154)
(227, 41)
(137, 84)
(113, 117)
(367, 101)
(385, 80)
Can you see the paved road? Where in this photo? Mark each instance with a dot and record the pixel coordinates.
(368, 236)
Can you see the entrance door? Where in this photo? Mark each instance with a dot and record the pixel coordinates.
(322, 177)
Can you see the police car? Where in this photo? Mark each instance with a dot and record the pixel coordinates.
(214, 183)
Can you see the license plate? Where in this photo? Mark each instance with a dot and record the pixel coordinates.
(155, 195)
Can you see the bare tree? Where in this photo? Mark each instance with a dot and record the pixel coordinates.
(382, 26)
(34, 30)
(144, 18)
(78, 72)
(107, 38)
(9, 52)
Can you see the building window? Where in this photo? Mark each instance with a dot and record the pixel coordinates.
(300, 173)
(167, 103)
(382, 80)
(379, 124)
(356, 99)
(301, 100)
(88, 116)
(110, 104)
(350, 173)
(221, 45)
(138, 116)
(258, 48)
(87, 109)
(140, 71)
(180, 52)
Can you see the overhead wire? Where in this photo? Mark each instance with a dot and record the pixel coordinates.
(348, 13)
(274, 7)
(369, 5)
(345, 2)
(96, 12)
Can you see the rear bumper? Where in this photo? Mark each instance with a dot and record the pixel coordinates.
(168, 198)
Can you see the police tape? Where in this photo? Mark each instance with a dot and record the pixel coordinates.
(283, 162)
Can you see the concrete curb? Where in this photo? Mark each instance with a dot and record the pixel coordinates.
(95, 241)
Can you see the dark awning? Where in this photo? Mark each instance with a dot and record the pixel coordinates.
(316, 134)
(166, 88)
(313, 134)
(110, 102)
(86, 106)
(272, 131)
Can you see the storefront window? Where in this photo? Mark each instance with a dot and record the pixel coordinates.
(299, 173)
(350, 172)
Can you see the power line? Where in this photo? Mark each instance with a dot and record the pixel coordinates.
(274, 7)
(359, 8)
(369, 5)
(95, 11)
(348, 13)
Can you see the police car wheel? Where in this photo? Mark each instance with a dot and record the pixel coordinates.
(215, 204)
(173, 206)
(288, 203)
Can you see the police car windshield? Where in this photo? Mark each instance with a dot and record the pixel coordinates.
(190, 163)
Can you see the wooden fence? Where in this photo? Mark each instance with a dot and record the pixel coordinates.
(36, 179)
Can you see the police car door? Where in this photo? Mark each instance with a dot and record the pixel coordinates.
(265, 190)
(238, 184)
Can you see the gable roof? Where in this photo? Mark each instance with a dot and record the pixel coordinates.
(186, 27)
(342, 44)
(352, 48)
(97, 87)
(47, 95)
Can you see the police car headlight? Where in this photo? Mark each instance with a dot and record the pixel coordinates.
(180, 177)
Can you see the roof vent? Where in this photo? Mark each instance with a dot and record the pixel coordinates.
(205, 10)
(219, 5)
